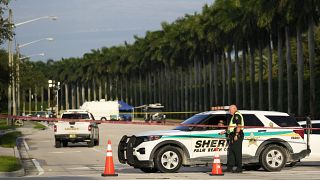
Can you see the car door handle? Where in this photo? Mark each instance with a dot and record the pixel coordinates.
(262, 130)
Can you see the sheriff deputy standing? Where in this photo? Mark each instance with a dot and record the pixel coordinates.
(235, 138)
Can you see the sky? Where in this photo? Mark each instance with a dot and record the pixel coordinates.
(83, 25)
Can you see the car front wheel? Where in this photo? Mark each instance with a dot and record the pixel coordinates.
(168, 159)
(273, 158)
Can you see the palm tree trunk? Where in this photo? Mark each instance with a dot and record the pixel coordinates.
(49, 98)
(106, 89)
(30, 95)
(82, 93)
(89, 91)
(237, 75)
(42, 98)
(280, 71)
(215, 78)
(260, 78)
(312, 67)
(223, 64)
(244, 77)
(211, 90)
(24, 101)
(36, 99)
(78, 96)
(289, 70)
(94, 91)
(199, 85)
(73, 99)
(229, 78)
(66, 95)
(186, 90)
(195, 85)
(141, 102)
(252, 77)
(270, 90)
(100, 89)
(300, 67)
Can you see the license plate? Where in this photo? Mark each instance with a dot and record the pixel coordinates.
(72, 136)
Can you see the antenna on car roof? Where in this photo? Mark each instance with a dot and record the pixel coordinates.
(216, 108)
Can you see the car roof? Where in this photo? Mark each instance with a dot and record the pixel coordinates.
(270, 113)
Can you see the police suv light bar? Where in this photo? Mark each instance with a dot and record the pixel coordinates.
(216, 108)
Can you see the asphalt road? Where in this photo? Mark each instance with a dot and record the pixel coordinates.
(81, 162)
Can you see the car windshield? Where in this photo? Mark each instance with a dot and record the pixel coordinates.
(202, 119)
(75, 116)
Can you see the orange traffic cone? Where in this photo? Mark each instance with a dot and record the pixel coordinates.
(109, 166)
(216, 166)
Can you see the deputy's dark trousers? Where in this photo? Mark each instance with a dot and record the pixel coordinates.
(235, 154)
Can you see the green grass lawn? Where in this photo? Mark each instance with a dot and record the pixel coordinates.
(9, 164)
(4, 126)
(9, 140)
(39, 126)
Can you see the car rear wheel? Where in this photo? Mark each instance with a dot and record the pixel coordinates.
(58, 144)
(149, 170)
(168, 159)
(91, 143)
(273, 158)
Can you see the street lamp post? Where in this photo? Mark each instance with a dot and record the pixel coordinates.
(12, 108)
(55, 85)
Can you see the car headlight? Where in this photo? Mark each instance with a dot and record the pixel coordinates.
(151, 138)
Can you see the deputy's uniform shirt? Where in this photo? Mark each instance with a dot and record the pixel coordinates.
(236, 120)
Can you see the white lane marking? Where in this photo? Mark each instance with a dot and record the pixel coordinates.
(61, 152)
(79, 168)
(26, 145)
(97, 150)
(39, 168)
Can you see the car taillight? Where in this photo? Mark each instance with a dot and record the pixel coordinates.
(89, 128)
(300, 132)
(55, 128)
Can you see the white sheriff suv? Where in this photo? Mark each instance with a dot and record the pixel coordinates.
(273, 140)
(73, 131)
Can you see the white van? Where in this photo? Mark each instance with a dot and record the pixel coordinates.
(102, 110)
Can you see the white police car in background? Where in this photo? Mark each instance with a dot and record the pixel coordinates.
(166, 151)
(314, 140)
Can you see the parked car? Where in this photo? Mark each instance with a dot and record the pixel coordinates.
(187, 145)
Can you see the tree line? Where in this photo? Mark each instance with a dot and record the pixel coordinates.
(258, 54)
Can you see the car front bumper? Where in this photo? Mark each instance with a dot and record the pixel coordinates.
(126, 152)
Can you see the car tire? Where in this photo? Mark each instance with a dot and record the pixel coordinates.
(149, 170)
(91, 143)
(253, 167)
(65, 143)
(168, 159)
(96, 142)
(273, 158)
(58, 144)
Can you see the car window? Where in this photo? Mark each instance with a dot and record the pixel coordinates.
(75, 116)
(204, 120)
(284, 121)
(196, 119)
(316, 126)
(251, 120)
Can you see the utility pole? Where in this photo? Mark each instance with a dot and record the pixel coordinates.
(18, 79)
(9, 121)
